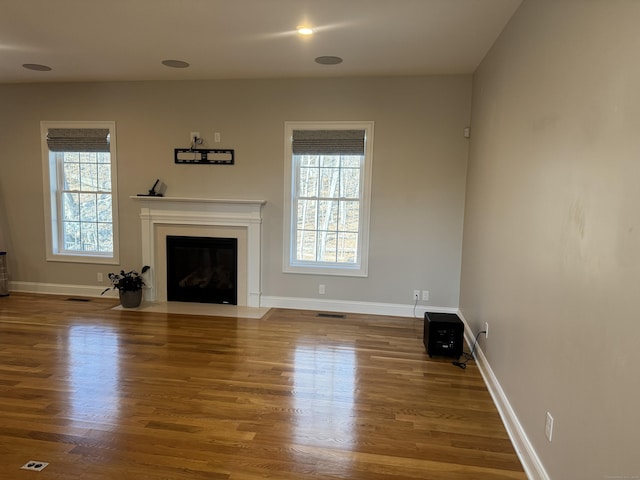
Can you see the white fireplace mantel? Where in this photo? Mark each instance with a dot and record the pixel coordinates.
(165, 212)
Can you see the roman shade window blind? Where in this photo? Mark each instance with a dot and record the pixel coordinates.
(328, 142)
(78, 139)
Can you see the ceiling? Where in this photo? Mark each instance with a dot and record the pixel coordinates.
(121, 40)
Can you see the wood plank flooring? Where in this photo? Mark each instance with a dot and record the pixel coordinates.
(111, 394)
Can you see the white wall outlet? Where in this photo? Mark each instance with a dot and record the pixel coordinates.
(321, 289)
(195, 138)
(425, 295)
(416, 295)
(486, 329)
(100, 277)
(216, 137)
(548, 426)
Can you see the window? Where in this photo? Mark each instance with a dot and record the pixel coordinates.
(80, 191)
(328, 183)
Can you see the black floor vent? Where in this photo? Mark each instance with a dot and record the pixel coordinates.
(78, 299)
(330, 315)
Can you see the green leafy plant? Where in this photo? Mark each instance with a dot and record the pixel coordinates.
(127, 281)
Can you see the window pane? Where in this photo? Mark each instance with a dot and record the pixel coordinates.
(71, 234)
(307, 214)
(105, 237)
(308, 182)
(71, 179)
(350, 183)
(347, 247)
(306, 245)
(104, 178)
(352, 161)
(104, 208)
(87, 157)
(349, 216)
(308, 160)
(330, 161)
(327, 246)
(89, 176)
(89, 236)
(328, 215)
(103, 157)
(71, 157)
(70, 206)
(329, 181)
(88, 207)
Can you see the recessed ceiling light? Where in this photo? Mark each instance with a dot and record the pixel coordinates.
(304, 30)
(175, 63)
(36, 67)
(328, 60)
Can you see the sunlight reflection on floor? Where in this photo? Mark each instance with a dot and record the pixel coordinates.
(324, 394)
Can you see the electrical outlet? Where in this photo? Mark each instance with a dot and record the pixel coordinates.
(321, 289)
(100, 277)
(548, 426)
(486, 329)
(216, 137)
(425, 295)
(416, 295)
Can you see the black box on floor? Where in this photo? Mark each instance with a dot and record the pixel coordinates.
(443, 334)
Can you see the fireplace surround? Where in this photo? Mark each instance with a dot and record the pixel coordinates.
(161, 217)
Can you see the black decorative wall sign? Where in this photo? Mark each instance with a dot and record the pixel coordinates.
(204, 156)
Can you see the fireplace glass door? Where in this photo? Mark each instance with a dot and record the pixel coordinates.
(202, 269)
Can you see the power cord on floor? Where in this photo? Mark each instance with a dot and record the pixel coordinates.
(416, 326)
(469, 356)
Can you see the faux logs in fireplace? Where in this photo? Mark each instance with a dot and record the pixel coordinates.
(202, 269)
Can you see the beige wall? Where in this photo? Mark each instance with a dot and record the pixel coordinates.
(418, 175)
(551, 255)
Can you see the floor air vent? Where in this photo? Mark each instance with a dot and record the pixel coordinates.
(78, 299)
(330, 315)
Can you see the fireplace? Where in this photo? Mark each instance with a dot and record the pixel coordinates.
(202, 269)
(163, 217)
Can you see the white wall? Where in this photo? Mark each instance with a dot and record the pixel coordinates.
(551, 255)
(418, 175)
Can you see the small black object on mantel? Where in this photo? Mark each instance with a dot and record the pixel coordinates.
(152, 192)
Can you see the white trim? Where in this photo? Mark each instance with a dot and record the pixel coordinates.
(196, 212)
(361, 269)
(60, 289)
(531, 463)
(366, 308)
(347, 306)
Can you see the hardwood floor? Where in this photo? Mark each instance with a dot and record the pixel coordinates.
(112, 394)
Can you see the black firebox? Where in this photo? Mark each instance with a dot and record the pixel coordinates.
(202, 269)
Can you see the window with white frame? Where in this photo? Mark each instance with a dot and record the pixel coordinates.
(79, 167)
(328, 188)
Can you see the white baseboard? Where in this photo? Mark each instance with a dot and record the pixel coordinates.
(326, 305)
(348, 306)
(531, 463)
(60, 289)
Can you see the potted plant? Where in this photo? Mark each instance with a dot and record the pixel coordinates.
(129, 286)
